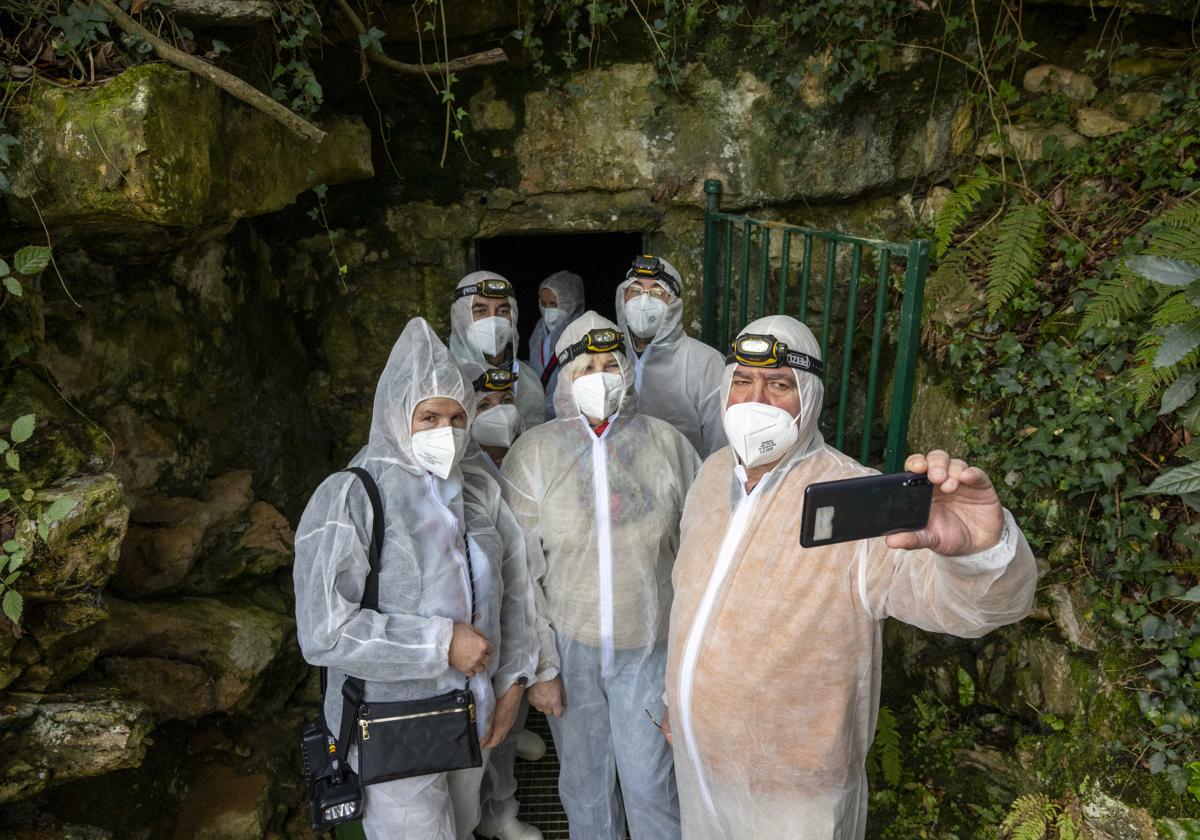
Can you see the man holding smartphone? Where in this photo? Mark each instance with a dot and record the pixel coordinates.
(800, 628)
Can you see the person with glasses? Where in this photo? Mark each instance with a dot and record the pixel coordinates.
(797, 632)
(598, 493)
(560, 299)
(483, 319)
(677, 378)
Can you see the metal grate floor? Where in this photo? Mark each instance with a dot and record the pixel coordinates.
(537, 785)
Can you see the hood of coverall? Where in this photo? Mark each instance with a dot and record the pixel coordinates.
(461, 320)
(568, 290)
(419, 368)
(671, 327)
(564, 394)
(796, 336)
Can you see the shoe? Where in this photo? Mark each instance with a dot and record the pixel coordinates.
(530, 745)
(509, 829)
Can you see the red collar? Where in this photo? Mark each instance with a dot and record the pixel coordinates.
(599, 430)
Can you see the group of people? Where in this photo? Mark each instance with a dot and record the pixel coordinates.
(625, 505)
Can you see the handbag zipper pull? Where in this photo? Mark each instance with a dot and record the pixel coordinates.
(471, 711)
(366, 736)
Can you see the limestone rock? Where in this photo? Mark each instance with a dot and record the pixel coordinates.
(1146, 64)
(1169, 829)
(1069, 612)
(1137, 105)
(64, 634)
(610, 132)
(163, 543)
(81, 550)
(489, 113)
(204, 13)
(180, 690)
(936, 419)
(254, 548)
(1049, 78)
(63, 445)
(231, 641)
(1093, 122)
(157, 146)
(1031, 142)
(43, 744)
(221, 805)
(1108, 818)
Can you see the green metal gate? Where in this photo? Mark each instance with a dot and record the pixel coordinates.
(791, 297)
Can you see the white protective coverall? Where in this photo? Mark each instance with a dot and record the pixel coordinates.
(600, 515)
(402, 650)
(568, 290)
(529, 394)
(774, 667)
(677, 378)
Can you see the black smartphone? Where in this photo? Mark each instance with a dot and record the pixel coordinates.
(860, 508)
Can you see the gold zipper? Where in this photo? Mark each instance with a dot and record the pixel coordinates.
(364, 724)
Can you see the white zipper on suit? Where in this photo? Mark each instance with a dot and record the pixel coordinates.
(604, 555)
(695, 637)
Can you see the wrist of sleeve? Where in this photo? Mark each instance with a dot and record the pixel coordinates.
(989, 559)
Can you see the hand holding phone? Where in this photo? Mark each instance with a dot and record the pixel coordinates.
(862, 508)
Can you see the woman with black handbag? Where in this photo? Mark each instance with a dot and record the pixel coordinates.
(404, 617)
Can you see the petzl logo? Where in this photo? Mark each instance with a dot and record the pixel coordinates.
(346, 809)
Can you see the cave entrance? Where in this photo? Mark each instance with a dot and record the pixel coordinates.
(601, 259)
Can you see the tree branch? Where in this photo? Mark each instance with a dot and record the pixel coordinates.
(229, 83)
(467, 62)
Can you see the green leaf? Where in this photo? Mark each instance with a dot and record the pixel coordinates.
(60, 508)
(1184, 479)
(4, 269)
(13, 460)
(966, 688)
(31, 260)
(1180, 340)
(1181, 390)
(11, 579)
(12, 546)
(14, 605)
(5, 494)
(43, 530)
(958, 206)
(1192, 595)
(22, 428)
(1167, 271)
(14, 286)
(1016, 254)
(27, 494)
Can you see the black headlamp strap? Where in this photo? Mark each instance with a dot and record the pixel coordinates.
(478, 289)
(790, 358)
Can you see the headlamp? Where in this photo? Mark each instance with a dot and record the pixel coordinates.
(495, 379)
(765, 351)
(646, 266)
(493, 287)
(595, 341)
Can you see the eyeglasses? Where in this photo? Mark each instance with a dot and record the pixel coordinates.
(493, 287)
(595, 341)
(495, 379)
(658, 293)
(766, 351)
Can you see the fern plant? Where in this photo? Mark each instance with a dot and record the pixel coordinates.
(1016, 255)
(1037, 817)
(959, 205)
(887, 745)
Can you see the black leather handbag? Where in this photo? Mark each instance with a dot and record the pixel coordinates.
(400, 739)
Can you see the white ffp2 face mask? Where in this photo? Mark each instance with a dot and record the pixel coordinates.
(598, 395)
(759, 433)
(553, 317)
(644, 314)
(438, 450)
(499, 425)
(491, 335)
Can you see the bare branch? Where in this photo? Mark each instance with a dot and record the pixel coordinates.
(467, 62)
(229, 83)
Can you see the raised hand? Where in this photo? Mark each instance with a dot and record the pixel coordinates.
(965, 517)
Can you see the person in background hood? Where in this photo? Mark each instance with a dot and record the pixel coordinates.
(598, 493)
(560, 299)
(677, 378)
(498, 423)
(774, 664)
(483, 319)
(423, 639)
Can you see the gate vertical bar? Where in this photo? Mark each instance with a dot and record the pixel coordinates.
(906, 353)
(805, 276)
(848, 345)
(876, 347)
(744, 285)
(764, 267)
(784, 265)
(708, 298)
(830, 270)
(727, 298)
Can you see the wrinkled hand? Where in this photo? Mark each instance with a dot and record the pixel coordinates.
(965, 517)
(548, 697)
(469, 650)
(503, 717)
(665, 727)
